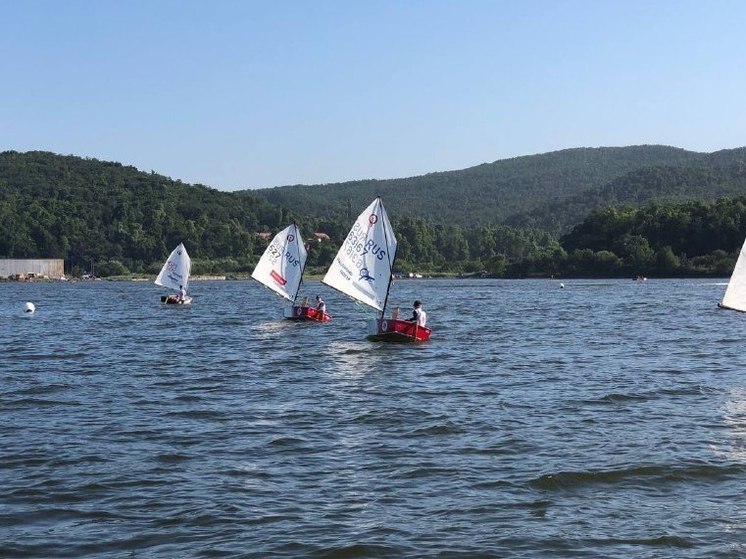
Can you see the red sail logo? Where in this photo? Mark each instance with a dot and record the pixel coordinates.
(278, 278)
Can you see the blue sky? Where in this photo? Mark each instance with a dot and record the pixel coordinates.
(244, 94)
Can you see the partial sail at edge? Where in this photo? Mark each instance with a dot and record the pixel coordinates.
(735, 293)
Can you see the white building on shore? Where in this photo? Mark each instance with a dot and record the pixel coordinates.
(34, 267)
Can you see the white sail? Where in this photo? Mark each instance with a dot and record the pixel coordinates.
(735, 293)
(281, 266)
(362, 268)
(175, 271)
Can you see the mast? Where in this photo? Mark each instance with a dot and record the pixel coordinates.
(388, 289)
(391, 260)
(303, 268)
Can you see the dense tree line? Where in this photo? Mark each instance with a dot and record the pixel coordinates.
(663, 240)
(121, 220)
(692, 238)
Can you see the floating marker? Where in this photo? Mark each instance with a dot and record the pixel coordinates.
(30, 308)
(562, 286)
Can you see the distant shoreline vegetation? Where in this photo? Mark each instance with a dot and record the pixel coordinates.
(109, 220)
(692, 239)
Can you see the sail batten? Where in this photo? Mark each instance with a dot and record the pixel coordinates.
(363, 266)
(281, 266)
(735, 293)
(176, 270)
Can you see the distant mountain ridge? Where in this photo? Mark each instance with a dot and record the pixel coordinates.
(486, 193)
(530, 190)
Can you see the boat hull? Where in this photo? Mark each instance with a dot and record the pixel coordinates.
(395, 330)
(174, 300)
(306, 314)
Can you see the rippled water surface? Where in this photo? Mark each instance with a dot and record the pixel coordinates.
(605, 419)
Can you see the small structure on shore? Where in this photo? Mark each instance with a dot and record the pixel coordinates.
(32, 268)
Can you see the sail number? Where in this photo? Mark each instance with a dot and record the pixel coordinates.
(356, 245)
(275, 253)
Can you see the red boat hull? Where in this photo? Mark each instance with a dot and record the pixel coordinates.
(306, 313)
(395, 330)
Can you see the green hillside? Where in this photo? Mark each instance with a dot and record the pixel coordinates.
(119, 219)
(88, 211)
(55, 206)
(488, 193)
(715, 175)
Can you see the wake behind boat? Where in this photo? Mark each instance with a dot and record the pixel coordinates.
(735, 294)
(363, 270)
(281, 269)
(175, 275)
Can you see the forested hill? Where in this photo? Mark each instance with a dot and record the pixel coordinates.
(719, 174)
(88, 211)
(54, 206)
(487, 193)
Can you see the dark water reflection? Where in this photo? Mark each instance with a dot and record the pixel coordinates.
(605, 419)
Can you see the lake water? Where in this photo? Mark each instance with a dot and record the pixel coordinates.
(605, 419)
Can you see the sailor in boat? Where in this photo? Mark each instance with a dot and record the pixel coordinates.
(320, 306)
(418, 314)
(178, 298)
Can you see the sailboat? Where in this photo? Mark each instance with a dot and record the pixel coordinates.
(281, 269)
(175, 275)
(363, 269)
(735, 294)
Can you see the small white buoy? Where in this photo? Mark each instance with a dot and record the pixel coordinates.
(562, 286)
(30, 308)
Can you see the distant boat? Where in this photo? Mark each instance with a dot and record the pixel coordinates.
(281, 269)
(735, 294)
(175, 275)
(363, 268)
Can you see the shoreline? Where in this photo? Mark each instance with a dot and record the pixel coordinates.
(319, 277)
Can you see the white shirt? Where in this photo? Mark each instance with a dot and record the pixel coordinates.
(421, 316)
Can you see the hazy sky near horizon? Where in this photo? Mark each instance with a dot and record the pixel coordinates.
(244, 94)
